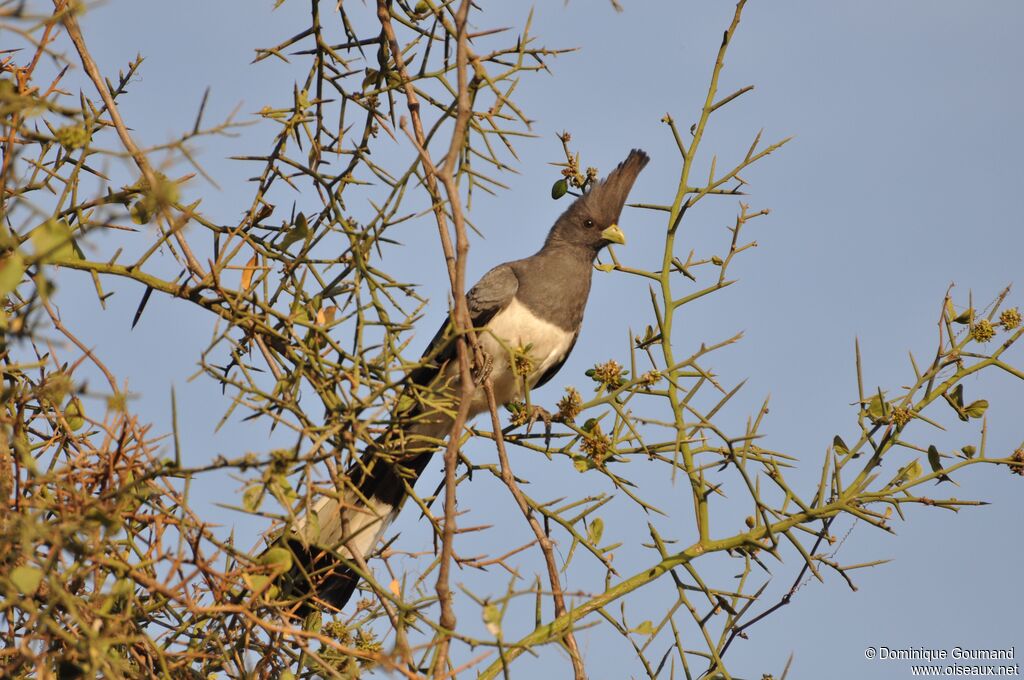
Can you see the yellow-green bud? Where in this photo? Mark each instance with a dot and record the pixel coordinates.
(983, 331)
(1010, 318)
(72, 136)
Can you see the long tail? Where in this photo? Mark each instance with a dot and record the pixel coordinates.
(350, 523)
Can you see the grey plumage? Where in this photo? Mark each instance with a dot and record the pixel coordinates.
(536, 303)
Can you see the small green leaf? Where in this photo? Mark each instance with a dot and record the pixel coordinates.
(559, 189)
(969, 451)
(839, 446)
(299, 313)
(140, 213)
(595, 531)
(964, 316)
(282, 489)
(74, 415)
(405, 403)
(370, 80)
(278, 558)
(976, 409)
(492, 619)
(252, 497)
(935, 461)
(645, 628)
(314, 621)
(913, 471)
(298, 232)
(877, 408)
(12, 268)
(606, 267)
(53, 241)
(956, 400)
(582, 463)
(262, 584)
(26, 579)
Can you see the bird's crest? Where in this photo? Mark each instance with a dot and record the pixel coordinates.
(606, 197)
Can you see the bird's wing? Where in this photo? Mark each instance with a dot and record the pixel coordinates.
(490, 295)
(555, 367)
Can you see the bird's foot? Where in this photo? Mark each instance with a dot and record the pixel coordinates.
(482, 371)
(529, 414)
(539, 413)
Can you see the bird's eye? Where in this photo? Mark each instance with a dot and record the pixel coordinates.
(589, 224)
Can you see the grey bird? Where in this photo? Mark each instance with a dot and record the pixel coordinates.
(530, 308)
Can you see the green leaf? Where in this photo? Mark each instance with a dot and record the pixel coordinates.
(298, 232)
(606, 267)
(559, 189)
(956, 400)
(278, 558)
(299, 313)
(492, 618)
(314, 621)
(140, 213)
(26, 579)
(969, 451)
(252, 497)
(976, 409)
(839, 446)
(964, 316)
(582, 463)
(645, 628)
(262, 584)
(913, 471)
(282, 489)
(12, 268)
(74, 415)
(877, 408)
(595, 531)
(53, 241)
(935, 461)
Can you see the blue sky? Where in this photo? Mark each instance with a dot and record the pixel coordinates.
(903, 178)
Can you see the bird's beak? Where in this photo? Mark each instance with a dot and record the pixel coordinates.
(614, 235)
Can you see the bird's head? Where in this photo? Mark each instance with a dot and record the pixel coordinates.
(592, 221)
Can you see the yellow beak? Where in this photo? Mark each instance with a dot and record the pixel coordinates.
(614, 235)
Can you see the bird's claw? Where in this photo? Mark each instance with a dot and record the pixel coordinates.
(536, 413)
(483, 370)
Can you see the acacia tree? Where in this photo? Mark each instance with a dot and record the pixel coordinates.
(107, 568)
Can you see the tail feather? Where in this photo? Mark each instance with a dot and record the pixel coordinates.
(352, 522)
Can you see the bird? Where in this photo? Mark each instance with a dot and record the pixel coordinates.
(527, 315)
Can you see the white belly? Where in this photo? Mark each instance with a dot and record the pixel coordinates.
(513, 330)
